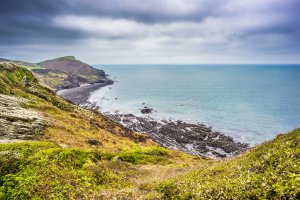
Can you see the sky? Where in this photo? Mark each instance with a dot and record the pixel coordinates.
(152, 31)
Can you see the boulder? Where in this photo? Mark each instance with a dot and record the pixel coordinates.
(146, 110)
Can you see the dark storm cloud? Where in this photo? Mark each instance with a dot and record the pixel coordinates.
(24, 21)
(149, 11)
(191, 26)
(29, 21)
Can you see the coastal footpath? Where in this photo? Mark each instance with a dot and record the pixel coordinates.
(69, 152)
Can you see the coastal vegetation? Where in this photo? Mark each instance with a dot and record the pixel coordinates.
(81, 154)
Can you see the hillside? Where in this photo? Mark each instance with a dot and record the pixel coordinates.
(53, 149)
(268, 171)
(64, 72)
(70, 65)
(20, 89)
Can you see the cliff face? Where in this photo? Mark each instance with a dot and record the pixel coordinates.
(72, 66)
(67, 72)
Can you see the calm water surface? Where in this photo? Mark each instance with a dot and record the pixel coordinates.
(251, 103)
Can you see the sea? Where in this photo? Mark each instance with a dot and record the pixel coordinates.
(251, 103)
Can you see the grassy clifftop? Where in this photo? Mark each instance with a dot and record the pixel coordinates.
(59, 58)
(80, 154)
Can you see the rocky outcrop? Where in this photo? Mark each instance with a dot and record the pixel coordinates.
(196, 139)
(146, 110)
(17, 122)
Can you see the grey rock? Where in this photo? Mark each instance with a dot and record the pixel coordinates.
(17, 122)
(146, 110)
(196, 139)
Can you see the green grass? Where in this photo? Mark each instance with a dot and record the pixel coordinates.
(268, 171)
(59, 58)
(42, 170)
(32, 67)
(15, 80)
(150, 155)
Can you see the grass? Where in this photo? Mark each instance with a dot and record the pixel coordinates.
(268, 171)
(43, 170)
(40, 170)
(59, 58)
(32, 67)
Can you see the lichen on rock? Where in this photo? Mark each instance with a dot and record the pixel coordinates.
(17, 122)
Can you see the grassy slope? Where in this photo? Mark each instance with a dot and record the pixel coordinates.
(122, 167)
(268, 171)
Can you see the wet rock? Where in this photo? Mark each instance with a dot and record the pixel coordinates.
(146, 110)
(196, 139)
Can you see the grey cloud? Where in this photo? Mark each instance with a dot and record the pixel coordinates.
(193, 25)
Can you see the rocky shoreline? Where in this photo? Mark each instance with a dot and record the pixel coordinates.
(195, 139)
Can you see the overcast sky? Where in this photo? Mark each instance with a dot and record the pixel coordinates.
(152, 31)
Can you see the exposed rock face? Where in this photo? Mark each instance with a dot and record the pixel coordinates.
(17, 122)
(67, 72)
(72, 66)
(196, 139)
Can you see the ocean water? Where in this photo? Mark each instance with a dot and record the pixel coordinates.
(251, 103)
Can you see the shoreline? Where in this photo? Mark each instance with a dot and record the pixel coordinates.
(193, 138)
(80, 95)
